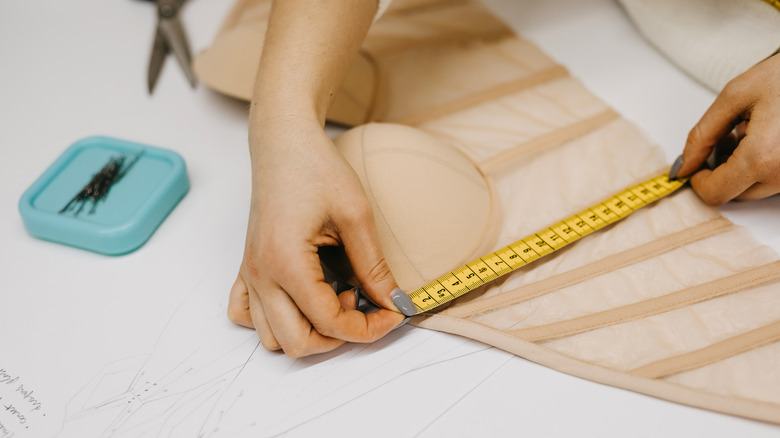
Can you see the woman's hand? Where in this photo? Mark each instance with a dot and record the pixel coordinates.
(306, 196)
(743, 128)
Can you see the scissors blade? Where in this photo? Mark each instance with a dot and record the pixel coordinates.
(159, 52)
(176, 40)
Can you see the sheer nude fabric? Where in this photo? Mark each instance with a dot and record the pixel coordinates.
(491, 141)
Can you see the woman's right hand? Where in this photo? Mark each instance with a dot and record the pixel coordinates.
(304, 196)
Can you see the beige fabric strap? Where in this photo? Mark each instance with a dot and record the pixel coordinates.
(499, 91)
(718, 351)
(591, 270)
(658, 388)
(553, 139)
(411, 8)
(702, 292)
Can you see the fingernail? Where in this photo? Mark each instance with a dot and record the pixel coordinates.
(403, 302)
(675, 168)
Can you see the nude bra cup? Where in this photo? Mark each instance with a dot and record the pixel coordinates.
(384, 82)
(230, 64)
(485, 140)
(432, 206)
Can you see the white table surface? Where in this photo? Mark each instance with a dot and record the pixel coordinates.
(86, 332)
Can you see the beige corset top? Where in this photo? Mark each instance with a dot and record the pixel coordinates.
(490, 140)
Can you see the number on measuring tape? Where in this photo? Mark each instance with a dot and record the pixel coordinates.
(510, 258)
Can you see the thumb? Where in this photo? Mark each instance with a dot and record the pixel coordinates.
(238, 305)
(361, 244)
(729, 109)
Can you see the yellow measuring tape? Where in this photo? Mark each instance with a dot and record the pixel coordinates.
(484, 269)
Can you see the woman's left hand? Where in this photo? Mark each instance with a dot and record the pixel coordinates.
(743, 127)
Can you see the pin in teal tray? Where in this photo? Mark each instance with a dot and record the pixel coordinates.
(104, 194)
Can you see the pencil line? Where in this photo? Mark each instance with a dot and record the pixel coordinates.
(463, 396)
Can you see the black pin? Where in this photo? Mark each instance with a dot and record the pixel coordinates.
(98, 188)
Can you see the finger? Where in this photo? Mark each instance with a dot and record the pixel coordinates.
(303, 281)
(238, 304)
(361, 244)
(348, 299)
(726, 111)
(759, 191)
(260, 321)
(725, 183)
(294, 332)
(330, 318)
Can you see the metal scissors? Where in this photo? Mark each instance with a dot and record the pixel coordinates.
(169, 37)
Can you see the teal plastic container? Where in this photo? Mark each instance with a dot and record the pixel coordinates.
(122, 220)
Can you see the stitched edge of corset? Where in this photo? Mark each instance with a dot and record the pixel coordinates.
(552, 139)
(717, 288)
(532, 80)
(732, 346)
(752, 409)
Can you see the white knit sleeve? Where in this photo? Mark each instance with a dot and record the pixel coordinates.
(383, 5)
(711, 40)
